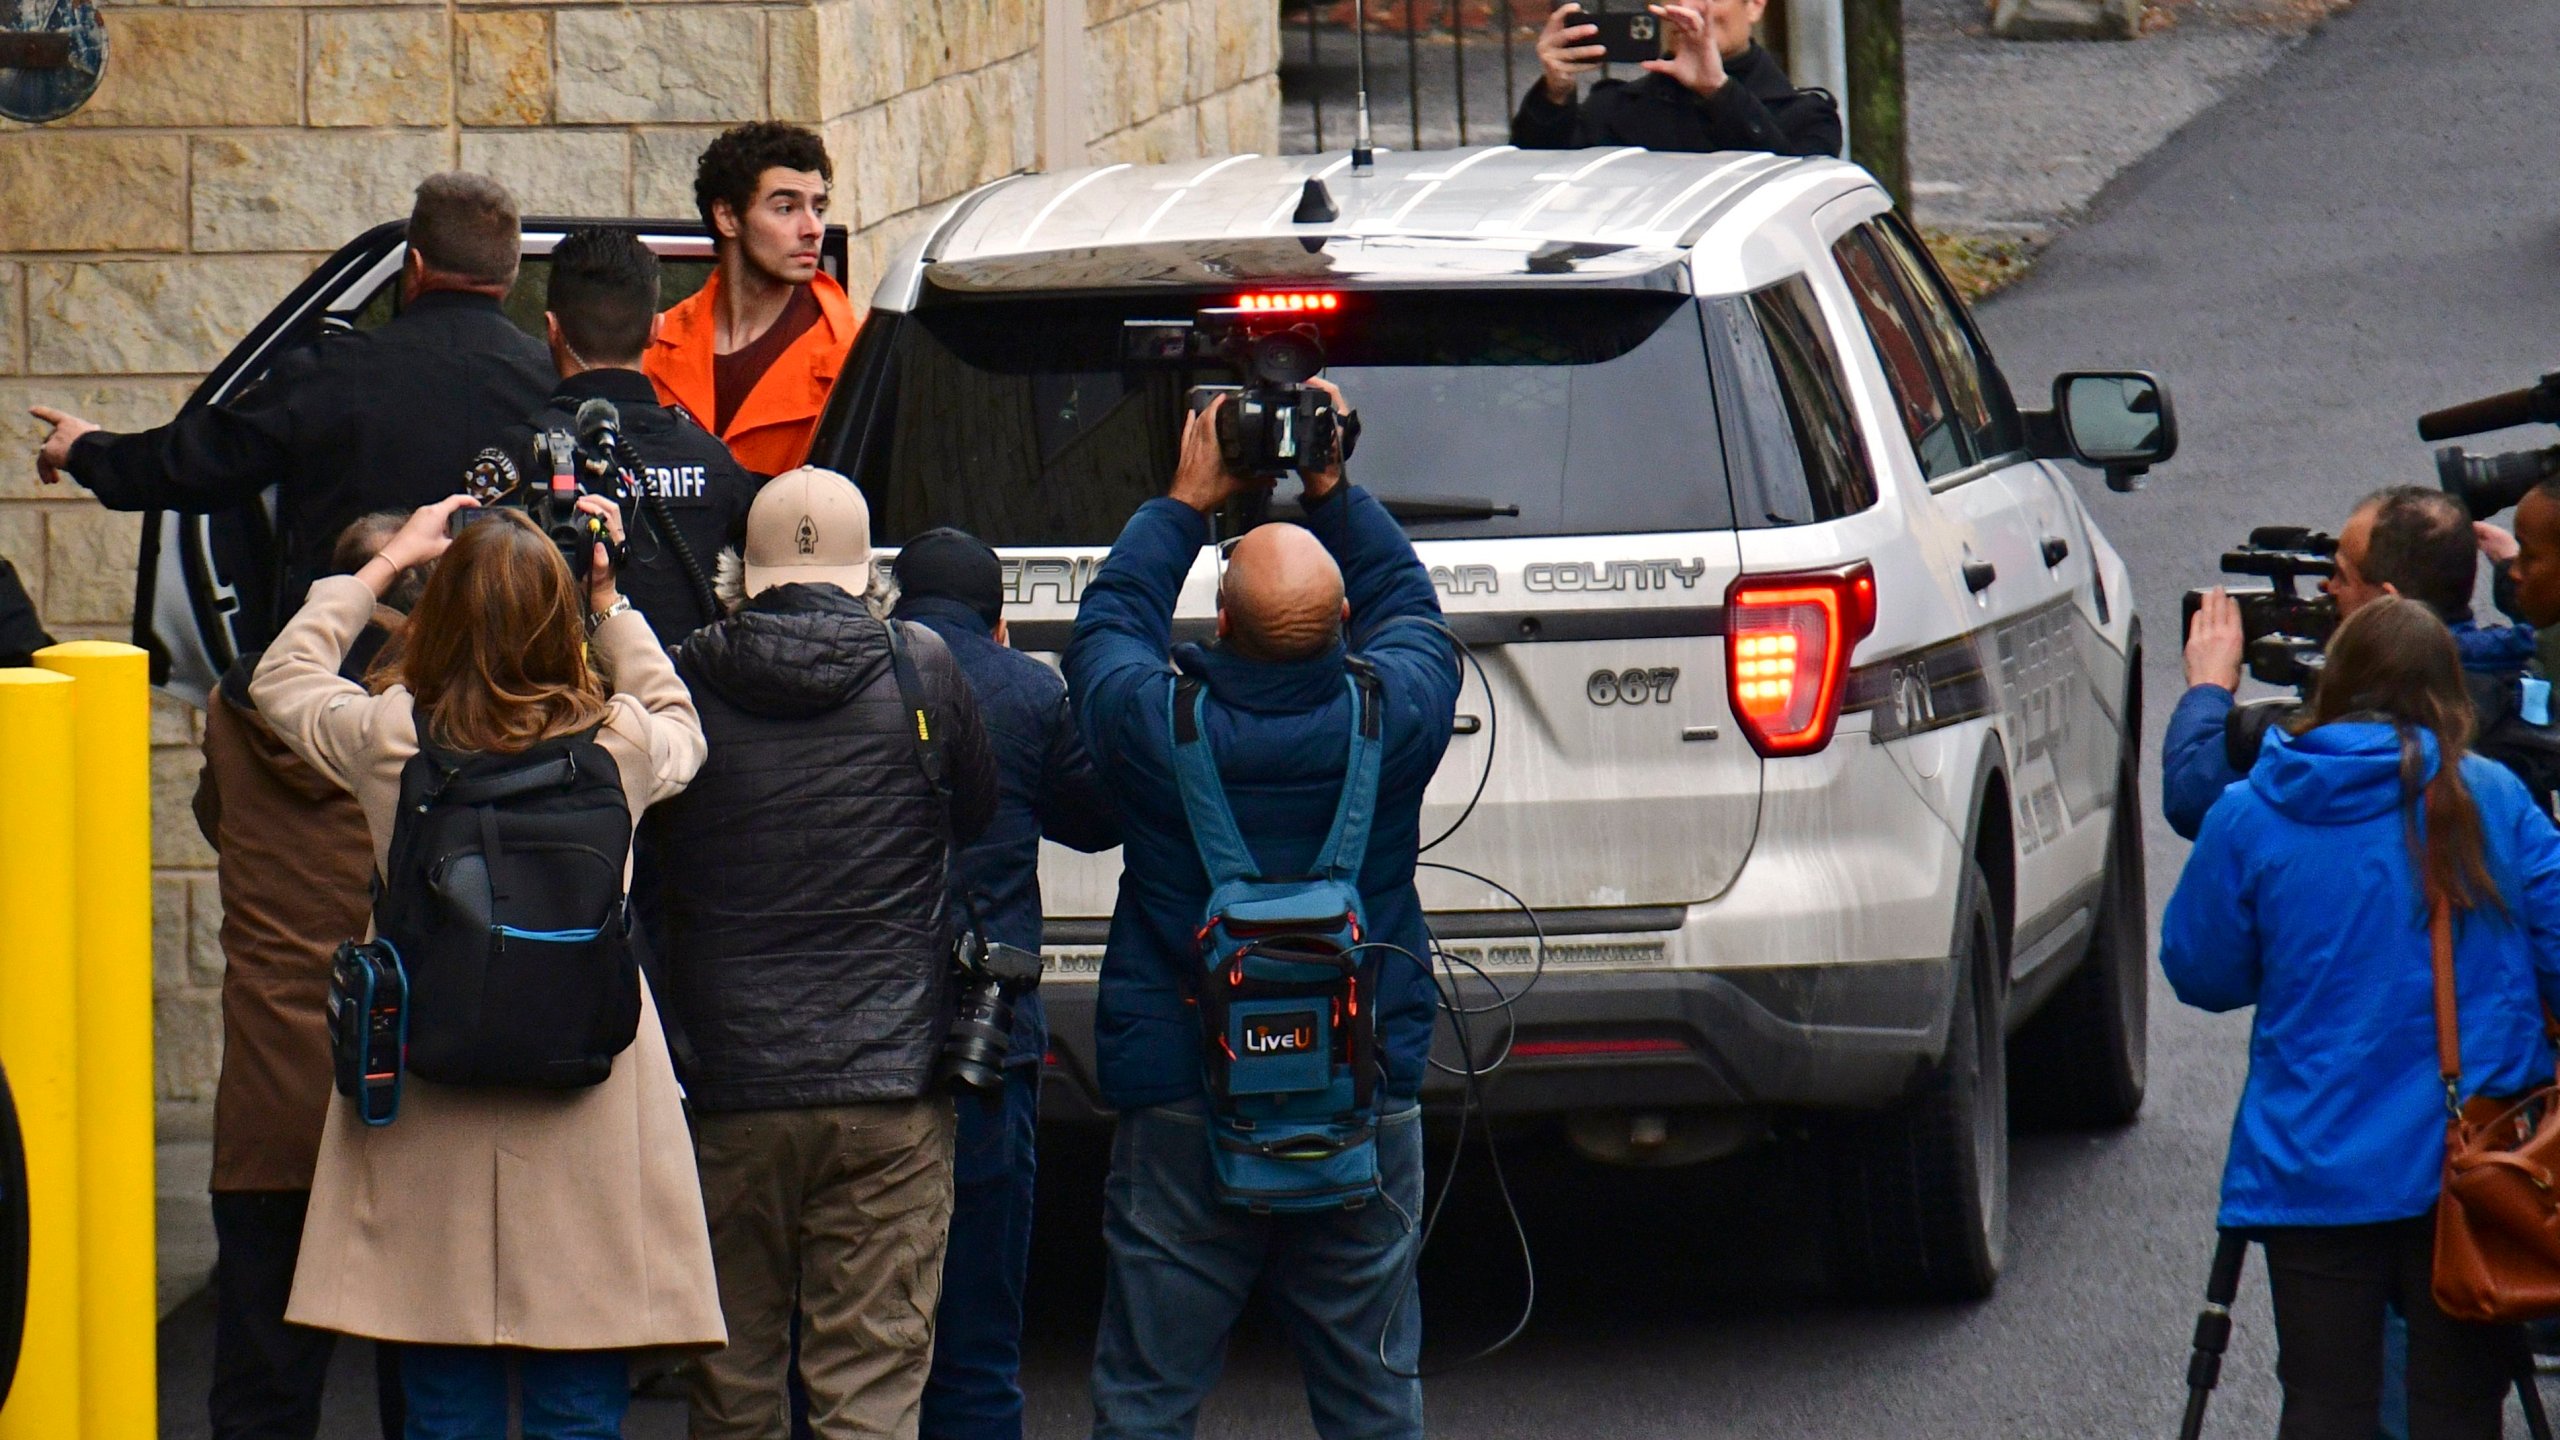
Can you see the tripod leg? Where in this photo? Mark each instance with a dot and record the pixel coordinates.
(2213, 1328)
(2537, 1420)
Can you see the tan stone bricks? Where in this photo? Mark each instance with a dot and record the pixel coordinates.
(166, 317)
(380, 67)
(660, 63)
(662, 163)
(204, 930)
(308, 191)
(13, 318)
(502, 67)
(194, 67)
(187, 1043)
(168, 932)
(22, 545)
(556, 172)
(88, 565)
(176, 844)
(794, 63)
(63, 190)
(118, 404)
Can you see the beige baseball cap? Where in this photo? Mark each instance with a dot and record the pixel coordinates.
(809, 526)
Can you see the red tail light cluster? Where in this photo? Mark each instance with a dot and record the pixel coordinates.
(1786, 653)
(1290, 302)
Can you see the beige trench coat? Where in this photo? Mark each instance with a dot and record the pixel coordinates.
(556, 1221)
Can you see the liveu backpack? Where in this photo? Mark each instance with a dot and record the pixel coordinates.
(1286, 986)
(503, 897)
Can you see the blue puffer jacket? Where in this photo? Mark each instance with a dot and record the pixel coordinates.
(1281, 734)
(2299, 898)
(1045, 788)
(2195, 770)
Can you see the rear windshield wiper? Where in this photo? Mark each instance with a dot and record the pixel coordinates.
(1446, 507)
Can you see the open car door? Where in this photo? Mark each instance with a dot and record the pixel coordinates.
(205, 584)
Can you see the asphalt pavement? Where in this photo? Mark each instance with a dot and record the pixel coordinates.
(2369, 230)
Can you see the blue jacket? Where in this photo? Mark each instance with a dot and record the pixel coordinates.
(1045, 786)
(2299, 898)
(1281, 735)
(2195, 769)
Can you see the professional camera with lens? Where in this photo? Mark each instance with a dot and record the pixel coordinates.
(993, 977)
(2282, 628)
(2487, 484)
(1274, 422)
(586, 457)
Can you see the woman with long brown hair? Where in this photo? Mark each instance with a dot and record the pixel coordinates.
(548, 1232)
(2308, 896)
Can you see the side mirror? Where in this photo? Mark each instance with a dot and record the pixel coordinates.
(2119, 421)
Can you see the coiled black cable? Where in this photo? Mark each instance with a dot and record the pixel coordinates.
(654, 506)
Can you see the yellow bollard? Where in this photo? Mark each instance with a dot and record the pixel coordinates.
(37, 1039)
(111, 860)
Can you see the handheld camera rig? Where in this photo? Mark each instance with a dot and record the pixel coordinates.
(2283, 629)
(2487, 484)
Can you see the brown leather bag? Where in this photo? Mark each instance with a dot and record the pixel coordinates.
(2498, 1224)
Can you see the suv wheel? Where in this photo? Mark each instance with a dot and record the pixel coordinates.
(1921, 1203)
(2084, 1059)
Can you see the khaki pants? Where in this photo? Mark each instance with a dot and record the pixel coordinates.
(843, 1209)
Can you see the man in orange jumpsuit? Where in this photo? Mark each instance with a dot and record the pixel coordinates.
(753, 353)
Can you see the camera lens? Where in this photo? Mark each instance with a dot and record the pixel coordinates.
(1290, 357)
(974, 1051)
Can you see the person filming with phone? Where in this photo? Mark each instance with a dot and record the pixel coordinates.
(1708, 85)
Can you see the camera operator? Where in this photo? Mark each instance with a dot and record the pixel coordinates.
(1308, 615)
(950, 582)
(2406, 540)
(809, 964)
(2307, 897)
(379, 419)
(684, 497)
(1717, 89)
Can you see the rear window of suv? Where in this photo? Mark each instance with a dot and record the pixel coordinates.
(1025, 421)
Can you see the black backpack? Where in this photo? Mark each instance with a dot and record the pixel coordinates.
(2530, 751)
(503, 897)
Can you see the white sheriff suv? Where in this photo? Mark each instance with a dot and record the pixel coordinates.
(1814, 689)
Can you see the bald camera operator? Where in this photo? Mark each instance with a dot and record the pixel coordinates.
(2406, 540)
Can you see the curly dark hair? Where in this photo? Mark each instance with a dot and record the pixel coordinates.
(604, 292)
(731, 165)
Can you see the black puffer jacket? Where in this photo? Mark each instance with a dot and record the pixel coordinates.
(808, 933)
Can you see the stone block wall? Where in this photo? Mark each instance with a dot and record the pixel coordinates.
(234, 145)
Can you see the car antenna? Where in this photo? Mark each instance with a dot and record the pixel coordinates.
(1363, 159)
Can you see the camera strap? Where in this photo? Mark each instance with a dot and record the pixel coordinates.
(919, 721)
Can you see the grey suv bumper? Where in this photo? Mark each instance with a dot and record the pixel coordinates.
(1804, 1037)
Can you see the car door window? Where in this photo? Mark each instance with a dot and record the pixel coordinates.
(678, 278)
(1974, 388)
(1936, 438)
(1806, 372)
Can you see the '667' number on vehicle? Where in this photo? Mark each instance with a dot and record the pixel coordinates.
(1631, 687)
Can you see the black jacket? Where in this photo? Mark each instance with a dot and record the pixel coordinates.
(382, 419)
(1758, 109)
(804, 871)
(706, 491)
(1045, 787)
(21, 631)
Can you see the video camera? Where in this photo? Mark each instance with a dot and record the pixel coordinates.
(2283, 630)
(586, 457)
(1274, 422)
(2487, 484)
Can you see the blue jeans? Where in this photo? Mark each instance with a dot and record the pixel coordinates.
(1181, 1266)
(460, 1392)
(975, 1391)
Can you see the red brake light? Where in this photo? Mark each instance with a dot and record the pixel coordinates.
(1786, 653)
(1290, 302)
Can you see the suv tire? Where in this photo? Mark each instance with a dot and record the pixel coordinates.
(2083, 1061)
(1921, 1198)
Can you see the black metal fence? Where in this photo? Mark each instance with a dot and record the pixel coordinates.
(1441, 72)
